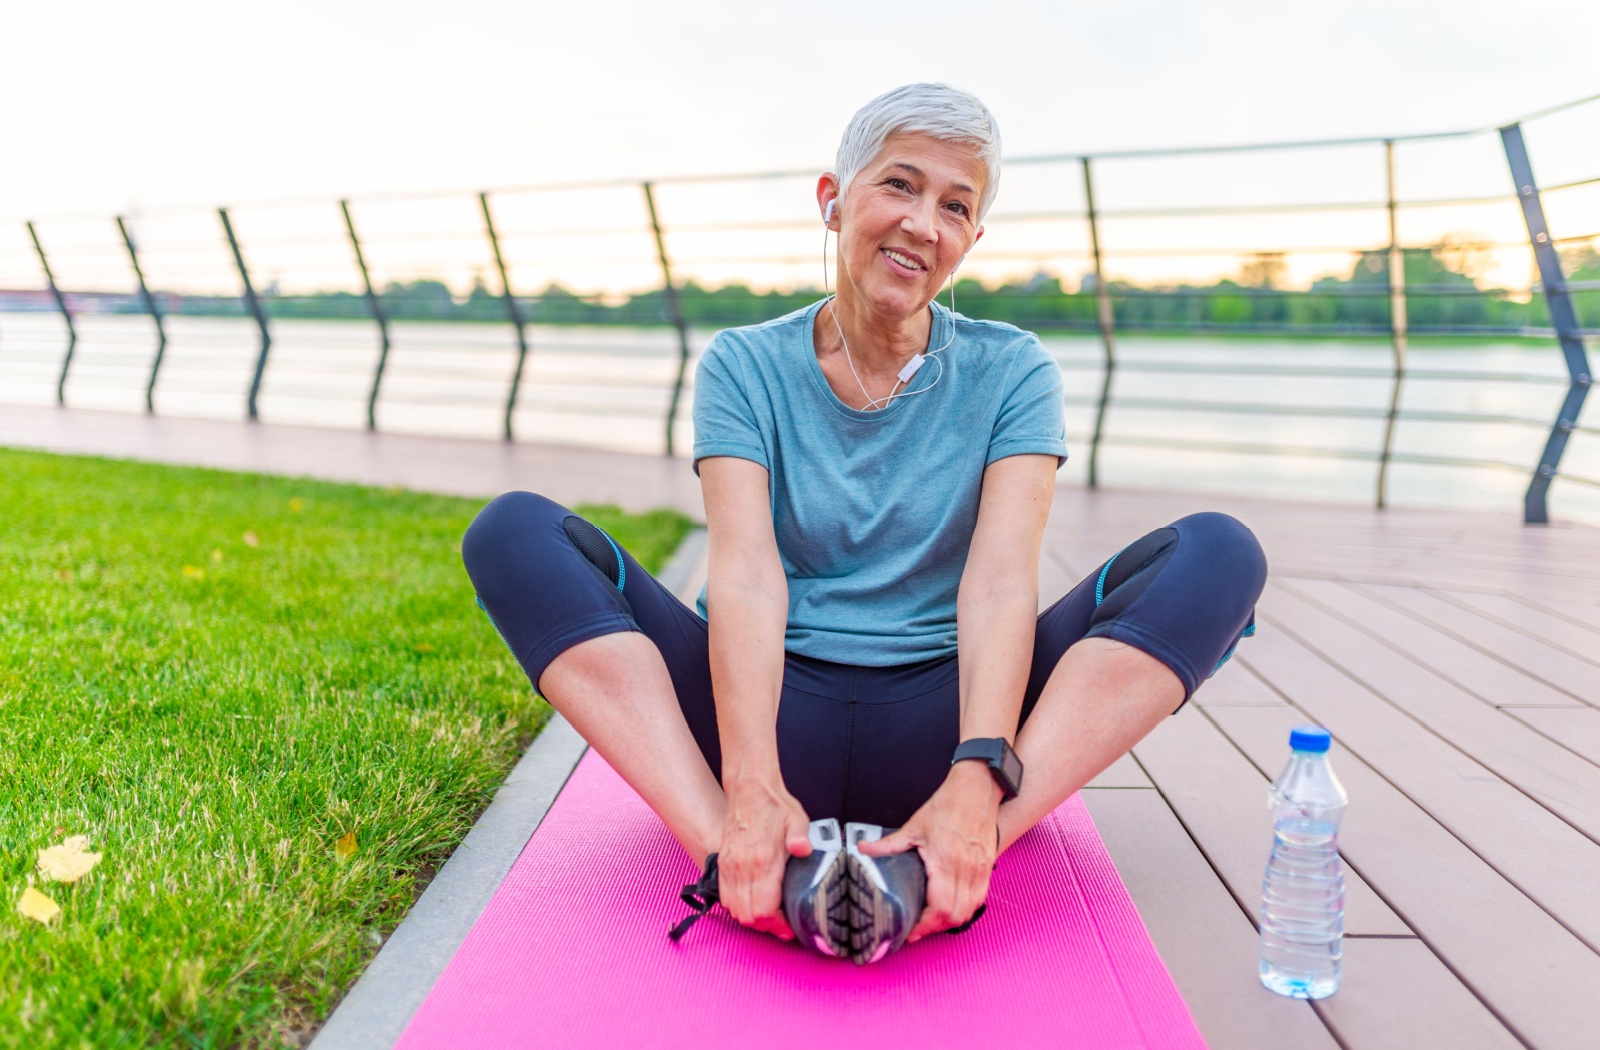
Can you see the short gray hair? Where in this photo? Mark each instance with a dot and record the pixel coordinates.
(938, 110)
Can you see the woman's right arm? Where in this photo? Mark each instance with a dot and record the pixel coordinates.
(747, 605)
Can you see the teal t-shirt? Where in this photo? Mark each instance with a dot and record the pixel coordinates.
(874, 511)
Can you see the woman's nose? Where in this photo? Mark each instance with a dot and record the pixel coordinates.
(918, 222)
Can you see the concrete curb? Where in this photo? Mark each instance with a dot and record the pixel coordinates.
(375, 1012)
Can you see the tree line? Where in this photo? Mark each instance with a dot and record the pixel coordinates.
(1443, 294)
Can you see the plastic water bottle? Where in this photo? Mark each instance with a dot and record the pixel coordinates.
(1302, 895)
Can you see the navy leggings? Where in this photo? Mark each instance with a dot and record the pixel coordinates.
(867, 744)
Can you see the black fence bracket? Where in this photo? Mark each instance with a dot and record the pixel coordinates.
(674, 312)
(66, 314)
(1563, 318)
(256, 311)
(1107, 319)
(376, 306)
(513, 312)
(155, 315)
(1398, 326)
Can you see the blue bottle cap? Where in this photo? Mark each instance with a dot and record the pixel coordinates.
(1309, 738)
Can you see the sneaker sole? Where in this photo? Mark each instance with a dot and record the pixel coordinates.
(830, 907)
(878, 923)
(869, 913)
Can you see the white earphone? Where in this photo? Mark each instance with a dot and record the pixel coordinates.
(909, 371)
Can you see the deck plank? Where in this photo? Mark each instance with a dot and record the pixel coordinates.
(1461, 664)
(1123, 773)
(1550, 774)
(1395, 994)
(1549, 860)
(1534, 975)
(1209, 784)
(1579, 641)
(1197, 927)
(1583, 612)
(1532, 657)
(1575, 728)
(1235, 685)
(1442, 576)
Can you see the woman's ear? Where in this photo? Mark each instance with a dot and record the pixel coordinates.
(828, 198)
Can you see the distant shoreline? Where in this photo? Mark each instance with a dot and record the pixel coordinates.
(1422, 340)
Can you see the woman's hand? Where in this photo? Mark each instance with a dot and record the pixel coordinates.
(764, 827)
(957, 833)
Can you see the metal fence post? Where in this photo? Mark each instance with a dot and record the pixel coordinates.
(674, 310)
(1397, 326)
(255, 309)
(1108, 327)
(1563, 318)
(152, 310)
(61, 304)
(377, 315)
(511, 311)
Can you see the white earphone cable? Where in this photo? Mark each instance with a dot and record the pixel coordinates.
(895, 391)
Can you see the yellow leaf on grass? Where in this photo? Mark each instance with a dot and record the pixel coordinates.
(193, 572)
(296, 503)
(216, 556)
(346, 846)
(69, 861)
(252, 540)
(36, 906)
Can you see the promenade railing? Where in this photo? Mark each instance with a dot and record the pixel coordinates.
(200, 310)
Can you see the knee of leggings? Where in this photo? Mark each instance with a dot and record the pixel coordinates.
(506, 521)
(1228, 541)
(514, 521)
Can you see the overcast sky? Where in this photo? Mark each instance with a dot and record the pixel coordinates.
(110, 104)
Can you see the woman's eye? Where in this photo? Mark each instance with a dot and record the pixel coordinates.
(900, 184)
(959, 208)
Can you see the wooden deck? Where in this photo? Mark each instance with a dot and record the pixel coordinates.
(1454, 656)
(1456, 660)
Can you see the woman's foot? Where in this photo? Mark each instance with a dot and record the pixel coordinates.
(838, 900)
(885, 895)
(849, 905)
(814, 895)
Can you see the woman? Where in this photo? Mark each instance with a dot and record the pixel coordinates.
(877, 472)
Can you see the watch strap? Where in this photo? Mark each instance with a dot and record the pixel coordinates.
(991, 751)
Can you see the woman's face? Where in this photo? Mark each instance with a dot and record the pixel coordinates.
(907, 220)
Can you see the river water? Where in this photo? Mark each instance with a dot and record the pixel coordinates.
(607, 386)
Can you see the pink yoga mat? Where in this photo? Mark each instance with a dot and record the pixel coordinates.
(572, 952)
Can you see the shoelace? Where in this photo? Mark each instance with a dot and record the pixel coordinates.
(700, 896)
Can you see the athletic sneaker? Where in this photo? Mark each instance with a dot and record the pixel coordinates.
(838, 900)
(814, 896)
(885, 895)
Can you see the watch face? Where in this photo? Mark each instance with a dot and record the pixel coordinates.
(1011, 767)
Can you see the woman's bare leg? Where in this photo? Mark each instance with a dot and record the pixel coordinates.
(1102, 698)
(616, 692)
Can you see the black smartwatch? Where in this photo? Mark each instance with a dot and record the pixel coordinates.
(1003, 763)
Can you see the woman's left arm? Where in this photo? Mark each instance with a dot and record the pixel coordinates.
(996, 609)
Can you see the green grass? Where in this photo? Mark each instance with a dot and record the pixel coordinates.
(215, 713)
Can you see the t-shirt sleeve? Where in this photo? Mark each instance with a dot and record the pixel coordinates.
(1032, 418)
(724, 420)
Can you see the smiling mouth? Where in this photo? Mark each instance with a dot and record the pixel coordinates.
(909, 262)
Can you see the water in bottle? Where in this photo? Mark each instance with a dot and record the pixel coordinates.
(1302, 896)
